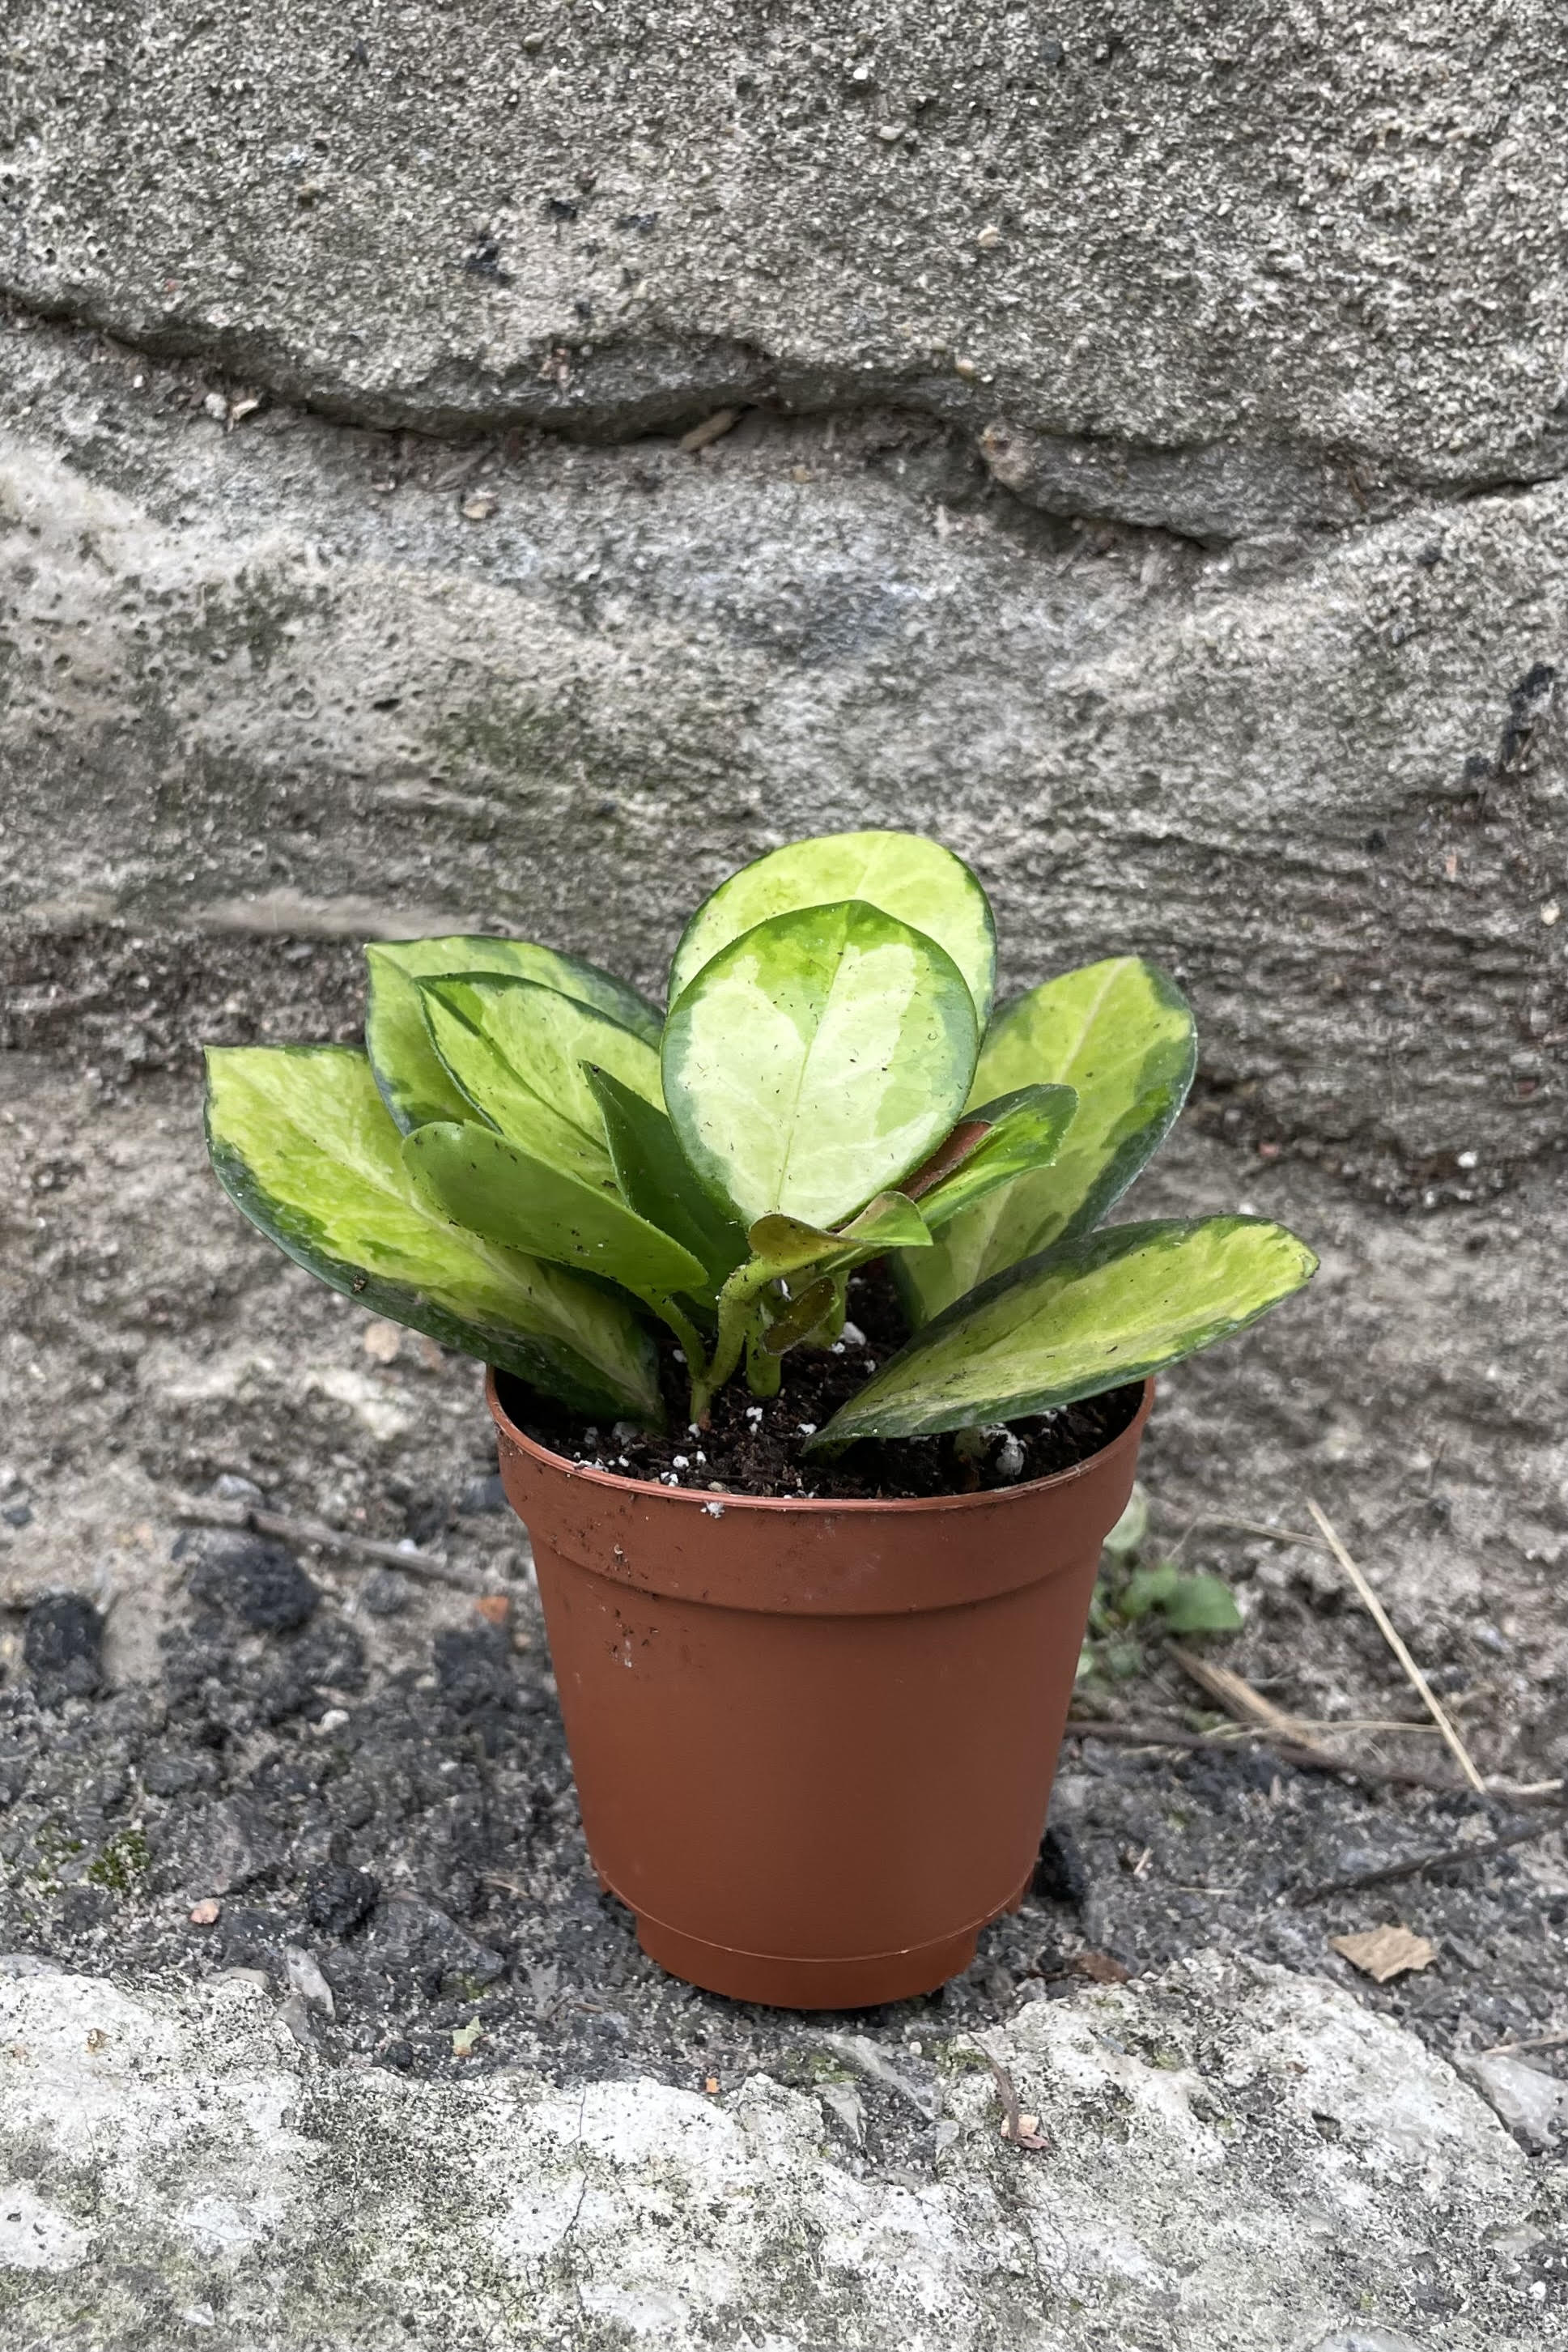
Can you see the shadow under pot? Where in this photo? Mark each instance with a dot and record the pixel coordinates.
(813, 1740)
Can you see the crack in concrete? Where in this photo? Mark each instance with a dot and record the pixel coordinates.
(1210, 494)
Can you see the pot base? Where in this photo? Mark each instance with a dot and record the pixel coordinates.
(784, 1983)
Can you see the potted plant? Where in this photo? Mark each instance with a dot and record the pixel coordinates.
(817, 1380)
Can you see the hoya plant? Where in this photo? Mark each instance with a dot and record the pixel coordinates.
(533, 1164)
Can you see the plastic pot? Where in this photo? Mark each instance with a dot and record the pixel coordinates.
(813, 1741)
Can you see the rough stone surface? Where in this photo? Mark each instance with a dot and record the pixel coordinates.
(1291, 225)
(1530, 2101)
(277, 678)
(1237, 2161)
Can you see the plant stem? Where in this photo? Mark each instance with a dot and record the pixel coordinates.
(700, 1372)
(764, 1372)
(736, 1309)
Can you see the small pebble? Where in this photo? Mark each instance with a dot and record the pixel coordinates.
(206, 1913)
(230, 1487)
(306, 1978)
(482, 1496)
(337, 1898)
(385, 1594)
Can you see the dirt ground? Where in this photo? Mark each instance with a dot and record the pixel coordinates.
(350, 1761)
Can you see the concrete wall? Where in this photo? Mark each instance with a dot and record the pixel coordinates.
(1148, 476)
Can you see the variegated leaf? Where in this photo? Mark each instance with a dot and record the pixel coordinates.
(1090, 1315)
(489, 1186)
(520, 1055)
(816, 1060)
(918, 881)
(304, 1145)
(414, 1084)
(1120, 1034)
(656, 1179)
(990, 1147)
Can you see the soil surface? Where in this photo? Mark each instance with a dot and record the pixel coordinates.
(756, 1445)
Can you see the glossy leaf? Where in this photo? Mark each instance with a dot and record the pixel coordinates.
(491, 1187)
(520, 1055)
(990, 1147)
(413, 1083)
(303, 1144)
(1120, 1034)
(915, 880)
(816, 1060)
(656, 1179)
(1107, 1308)
(891, 1220)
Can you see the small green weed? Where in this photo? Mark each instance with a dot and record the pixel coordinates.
(1134, 1600)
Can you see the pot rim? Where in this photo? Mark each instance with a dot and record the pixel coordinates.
(702, 1498)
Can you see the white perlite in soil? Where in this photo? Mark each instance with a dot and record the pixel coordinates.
(1236, 2160)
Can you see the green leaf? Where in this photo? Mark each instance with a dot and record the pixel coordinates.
(1121, 1034)
(816, 1060)
(989, 1147)
(1148, 1587)
(519, 1053)
(1202, 1603)
(917, 881)
(1110, 1308)
(492, 1188)
(303, 1144)
(1126, 1537)
(656, 1179)
(408, 1069)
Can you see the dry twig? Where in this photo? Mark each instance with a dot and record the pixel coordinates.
(712, 428)
(430, 1564)
(1021, 2130)
(1386, 1626)
(1247, 1527)
(1236, 1694)
(1354, 1880)
(1529, 2042)
(1304, 1758)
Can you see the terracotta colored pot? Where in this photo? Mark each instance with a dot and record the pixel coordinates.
(814, 1741)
